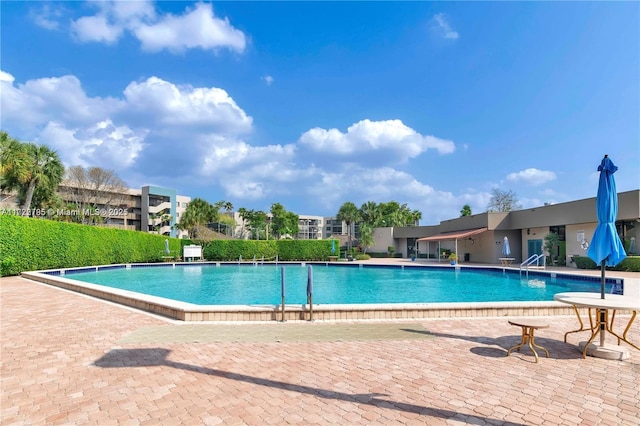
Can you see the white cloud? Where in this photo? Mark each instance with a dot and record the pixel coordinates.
(268, 79)
(5, 76)
(111, 20)
(197, 27)
(226, 154)
(380, 142)
(96, 28)
(156, 126)
(330, 188)
(47, 16)
(156, 130)
(113, 147)
(163, 103)
(442, 27)
(532, 176)
(38, 101)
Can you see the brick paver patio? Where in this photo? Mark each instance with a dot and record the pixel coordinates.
(70, 359)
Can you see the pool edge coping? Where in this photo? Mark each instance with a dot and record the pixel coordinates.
(189, 312)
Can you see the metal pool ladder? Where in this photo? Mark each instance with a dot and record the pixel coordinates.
(534, 259)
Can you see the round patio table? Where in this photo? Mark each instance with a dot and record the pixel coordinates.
(603, 322)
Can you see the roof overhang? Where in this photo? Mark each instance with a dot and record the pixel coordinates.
(454, 235)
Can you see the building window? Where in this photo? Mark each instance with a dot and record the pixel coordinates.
(560, 230)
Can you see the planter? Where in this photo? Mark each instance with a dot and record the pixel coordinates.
(453, 262)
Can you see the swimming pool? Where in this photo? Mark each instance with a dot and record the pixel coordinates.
(261, 284)
(340, 302)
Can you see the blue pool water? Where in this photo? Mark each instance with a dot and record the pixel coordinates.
(261, 285)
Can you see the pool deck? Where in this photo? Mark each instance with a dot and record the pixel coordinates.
(71, 359)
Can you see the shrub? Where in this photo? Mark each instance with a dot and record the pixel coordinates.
(228, 250)
(28, 244)
(629, 264)
(377, 254)
(362, 256)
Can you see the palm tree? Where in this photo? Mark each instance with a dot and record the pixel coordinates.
(14, 163)
(228, 207)
(366, 237)
(244, 215)
(349, 214)
(45, 172)
(371, 214)
(199, 213)
(416, 216)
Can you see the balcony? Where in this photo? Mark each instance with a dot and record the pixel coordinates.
(160, 207)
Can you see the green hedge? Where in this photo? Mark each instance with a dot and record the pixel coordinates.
(629, 264)
(28, 244)
(227, 250)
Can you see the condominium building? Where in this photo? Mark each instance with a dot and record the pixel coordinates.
(309, 227)
(150, 209)
(160, 210)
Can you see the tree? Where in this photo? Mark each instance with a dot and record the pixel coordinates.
(225, 219)
(416, 216)
(33, 171)
(551, 245)
(228, 207)
(393, 213)
(282, 221)
(198, 214)
(349, 214)
(256, 220)
(95, 188)
(366, 237)
(244, 215)
(503, 201)
(158, 221)
(466, 210)
(14, 163)
(370, 214)
(45, 171)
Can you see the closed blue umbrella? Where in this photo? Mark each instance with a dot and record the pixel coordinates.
(605, 248)
(166, 246)
(506, 249)
(333, 246)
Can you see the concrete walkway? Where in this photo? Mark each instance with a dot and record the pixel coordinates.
(69, 359)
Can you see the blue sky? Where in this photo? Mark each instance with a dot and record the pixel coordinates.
(312, 104)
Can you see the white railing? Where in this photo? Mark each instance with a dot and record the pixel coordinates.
(160, 207)
(535, 258)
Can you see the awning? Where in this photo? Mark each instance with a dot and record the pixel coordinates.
(453, 235)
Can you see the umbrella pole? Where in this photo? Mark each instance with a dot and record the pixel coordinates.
(603, 312)
(602, 280)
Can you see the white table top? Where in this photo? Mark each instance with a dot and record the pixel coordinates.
(593, 300)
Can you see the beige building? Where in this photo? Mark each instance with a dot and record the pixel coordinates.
(150, 209)
(480, 237)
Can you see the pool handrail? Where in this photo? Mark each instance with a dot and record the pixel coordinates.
(534, 258)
